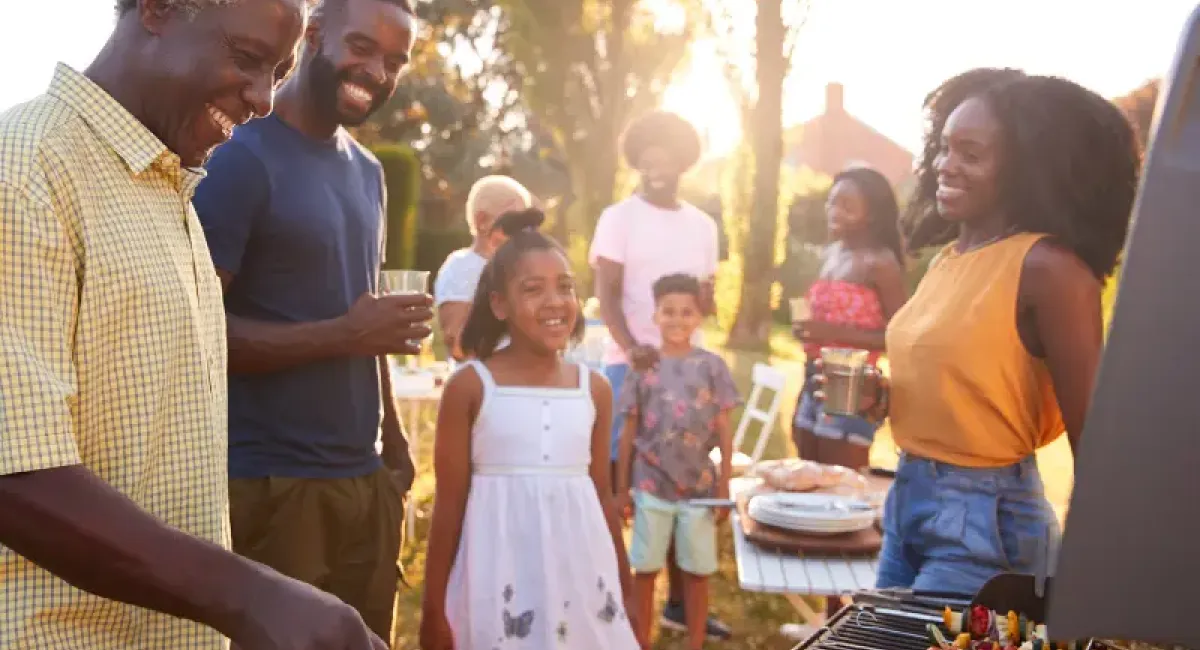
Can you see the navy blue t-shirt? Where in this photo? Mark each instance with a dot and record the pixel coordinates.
(299, 224)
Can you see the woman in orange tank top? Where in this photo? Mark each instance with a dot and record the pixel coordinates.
(1028, 183)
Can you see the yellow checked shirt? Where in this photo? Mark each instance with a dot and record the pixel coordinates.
(112, 348)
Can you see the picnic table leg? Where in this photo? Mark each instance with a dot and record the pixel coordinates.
(813, 621)
(810, 616)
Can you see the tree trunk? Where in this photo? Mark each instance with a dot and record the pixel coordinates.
(752, 327)
(602, 180)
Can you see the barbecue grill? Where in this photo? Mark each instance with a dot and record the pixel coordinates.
(894, 619)
(881, 621)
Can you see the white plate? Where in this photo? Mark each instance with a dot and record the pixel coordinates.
(783, 521)
(811, 513)
(822, 507)
(838, 529)
(775, 520)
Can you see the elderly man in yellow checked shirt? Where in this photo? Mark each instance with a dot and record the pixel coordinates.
(113, 493)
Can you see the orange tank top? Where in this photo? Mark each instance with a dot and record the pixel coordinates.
(964, 389)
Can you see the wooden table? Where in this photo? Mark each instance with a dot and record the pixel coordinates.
(795, 576)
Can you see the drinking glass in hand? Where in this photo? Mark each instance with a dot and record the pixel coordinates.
(844, 370)
(401, 282)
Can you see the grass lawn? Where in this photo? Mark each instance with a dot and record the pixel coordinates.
(755, 618)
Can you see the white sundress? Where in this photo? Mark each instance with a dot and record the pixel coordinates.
(536, 568)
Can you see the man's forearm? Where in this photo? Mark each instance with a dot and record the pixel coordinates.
(259, 346)
(614, 320)
(708, 299)
(76, 526)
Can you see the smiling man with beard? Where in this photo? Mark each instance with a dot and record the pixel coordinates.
(293, 209)
(113, 491)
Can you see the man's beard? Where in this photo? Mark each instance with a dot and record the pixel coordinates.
(660, 188)
(324, 82)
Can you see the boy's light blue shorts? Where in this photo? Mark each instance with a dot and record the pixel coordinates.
(656, 520)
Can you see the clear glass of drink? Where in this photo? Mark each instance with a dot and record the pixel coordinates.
(399, 282)
(844, 370)
(403, 281)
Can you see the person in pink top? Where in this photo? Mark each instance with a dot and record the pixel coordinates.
(645, 237)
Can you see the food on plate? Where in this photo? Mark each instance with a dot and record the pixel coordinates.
(798, 475)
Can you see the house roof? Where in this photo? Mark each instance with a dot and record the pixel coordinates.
(835, 139)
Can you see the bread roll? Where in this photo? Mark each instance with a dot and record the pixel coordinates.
(798, 475)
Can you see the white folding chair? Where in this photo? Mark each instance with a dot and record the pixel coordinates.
(765, 378)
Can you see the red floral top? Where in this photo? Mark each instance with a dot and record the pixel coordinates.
(844, 303)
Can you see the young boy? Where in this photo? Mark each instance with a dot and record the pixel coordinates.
(674, 415)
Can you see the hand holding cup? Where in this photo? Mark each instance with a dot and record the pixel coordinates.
(858, 391)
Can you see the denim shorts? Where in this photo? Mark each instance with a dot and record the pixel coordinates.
(656, 521)
(950, 529)
(811, 415)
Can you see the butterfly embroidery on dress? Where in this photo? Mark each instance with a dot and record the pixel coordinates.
(518, 627)
(609, 612)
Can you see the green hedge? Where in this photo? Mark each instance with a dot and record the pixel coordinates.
(402, 175)
(432, 247)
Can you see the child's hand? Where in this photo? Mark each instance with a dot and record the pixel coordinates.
(871, 401)
(624, 505)
(643, 357)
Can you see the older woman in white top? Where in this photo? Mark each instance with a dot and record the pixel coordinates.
(454, 289)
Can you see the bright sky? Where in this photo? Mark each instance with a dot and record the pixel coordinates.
(888, 53)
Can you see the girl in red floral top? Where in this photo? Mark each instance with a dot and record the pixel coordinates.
(860, 286)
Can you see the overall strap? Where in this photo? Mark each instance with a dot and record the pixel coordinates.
(489, 384)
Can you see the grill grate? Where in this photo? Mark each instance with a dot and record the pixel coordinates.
(861, 627)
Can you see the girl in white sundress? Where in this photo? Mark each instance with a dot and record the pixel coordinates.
(525, 550)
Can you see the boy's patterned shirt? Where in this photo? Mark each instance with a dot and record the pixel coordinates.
(676, 406)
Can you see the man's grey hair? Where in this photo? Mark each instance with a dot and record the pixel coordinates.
(492, 195)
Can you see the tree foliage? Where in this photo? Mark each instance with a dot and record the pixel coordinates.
(459, 106)
(402, 176)
(755, 71)
(584, 68)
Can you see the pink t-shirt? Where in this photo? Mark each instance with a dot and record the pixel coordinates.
(651, 242)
